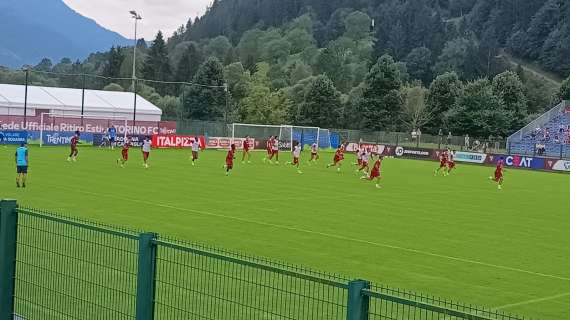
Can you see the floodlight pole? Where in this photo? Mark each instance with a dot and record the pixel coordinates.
(82, 99)
(136, 17)
(26, 100)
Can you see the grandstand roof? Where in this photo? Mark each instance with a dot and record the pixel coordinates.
(66, 99)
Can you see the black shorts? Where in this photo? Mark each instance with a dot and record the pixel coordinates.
(112, 139)
(22, 169)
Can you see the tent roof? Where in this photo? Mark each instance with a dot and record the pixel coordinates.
(70, 99)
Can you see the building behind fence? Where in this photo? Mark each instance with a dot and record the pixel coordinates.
(54, 267)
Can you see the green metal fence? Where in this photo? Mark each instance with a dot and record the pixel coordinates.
(54, 267)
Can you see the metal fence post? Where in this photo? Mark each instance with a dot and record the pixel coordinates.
(358, 303)
(8, 236)
(146, 277)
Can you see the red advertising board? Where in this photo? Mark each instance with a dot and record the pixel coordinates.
(176, 141)
(375, 148)
(225, 143)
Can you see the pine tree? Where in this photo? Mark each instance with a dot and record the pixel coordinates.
(157, 66)
(206, 98)
(381, 98)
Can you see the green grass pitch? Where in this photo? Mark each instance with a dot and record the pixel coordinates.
(456, 237)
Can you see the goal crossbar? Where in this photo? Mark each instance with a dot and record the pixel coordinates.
(290, 135)
(69, 116)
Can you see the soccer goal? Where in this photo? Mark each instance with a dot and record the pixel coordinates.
(286, 134)
(72, 123)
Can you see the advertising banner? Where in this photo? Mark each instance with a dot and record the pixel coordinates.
(560, 165)
(416, 153)
(136, 140)
(375, 148)
(88, 125)
(518, 161)
(224, 143)
(470, 157)
(57, 138)
(176, 141)
(13, 137)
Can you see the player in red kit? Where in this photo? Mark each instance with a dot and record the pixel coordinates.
(246, 147)
(451, 161)
(73, 145)
(499, 170)
(443, 158)
(230, 159)
(268, 149)
(124, 153)
(338, 158)
(376, 173)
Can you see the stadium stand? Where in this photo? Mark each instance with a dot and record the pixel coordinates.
(548, 135)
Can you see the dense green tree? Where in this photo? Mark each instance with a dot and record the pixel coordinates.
(415, 114)
(157, 65)
(44, 65)
(114, 61)
(564, 92)
(418, 63)
(263, 106)
(113, 87)
(218, 47)
(444, 92)
(479, 112)
(508, 87)
(299, 39)
(381, 97)
(357, 26)
(322, 104)
(299, 71)
(206, 100)
(189, 63)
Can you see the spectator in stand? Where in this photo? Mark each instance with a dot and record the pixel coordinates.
(449, 137)
(419, 133)
(440, 134)
(540, 149)
(467, 142)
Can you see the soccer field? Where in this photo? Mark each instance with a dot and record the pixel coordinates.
(457, 237)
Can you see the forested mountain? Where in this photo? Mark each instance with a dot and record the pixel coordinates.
(357, 64)
(36, 29)
(538, 30)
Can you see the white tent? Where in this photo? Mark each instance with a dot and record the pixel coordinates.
(67, 101)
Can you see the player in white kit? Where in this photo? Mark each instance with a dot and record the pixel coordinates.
(146, 151)
(314, 153)
(296, 155)
(195, 150)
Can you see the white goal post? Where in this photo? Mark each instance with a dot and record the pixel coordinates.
(286, 133)
(52, 115)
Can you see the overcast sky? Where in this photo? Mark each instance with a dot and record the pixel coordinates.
(165, 15)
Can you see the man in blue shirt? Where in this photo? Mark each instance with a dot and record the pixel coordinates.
(21, 164)
(112, 131)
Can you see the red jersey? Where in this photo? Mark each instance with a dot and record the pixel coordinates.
(377, 165)
(339, 154)
(500, 166)
(375, 173)
(269, 144)
(246, 144)
(230, 157)
(74, 141)
(126, 145)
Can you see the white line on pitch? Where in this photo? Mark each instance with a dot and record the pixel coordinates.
(522, 303)
(384, 245)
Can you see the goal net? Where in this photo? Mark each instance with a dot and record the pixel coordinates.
(286, 134)
(56, 122)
